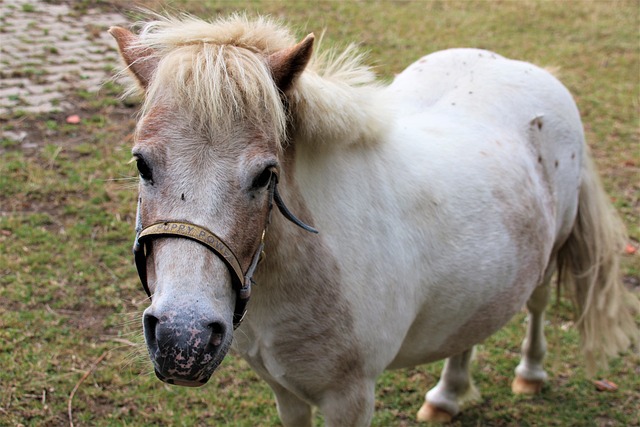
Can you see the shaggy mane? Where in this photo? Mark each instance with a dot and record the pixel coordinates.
(218, 72)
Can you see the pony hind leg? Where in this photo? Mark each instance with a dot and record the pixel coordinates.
(454, 389)
(530, 375)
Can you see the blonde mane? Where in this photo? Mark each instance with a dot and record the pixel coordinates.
(218, 73)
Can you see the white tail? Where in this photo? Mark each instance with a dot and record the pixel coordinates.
(589, 269)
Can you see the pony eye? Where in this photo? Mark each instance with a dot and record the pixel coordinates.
(263, 179)
(144, 169)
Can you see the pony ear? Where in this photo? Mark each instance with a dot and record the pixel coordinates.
(140, 60)
(287, 64)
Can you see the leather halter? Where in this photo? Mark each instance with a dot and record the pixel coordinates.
(240, 281)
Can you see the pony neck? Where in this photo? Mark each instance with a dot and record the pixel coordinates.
(327, 113)
(285, 241)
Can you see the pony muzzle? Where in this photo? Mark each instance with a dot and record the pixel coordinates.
(185, 350)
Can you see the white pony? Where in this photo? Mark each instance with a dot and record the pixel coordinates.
(444, 201)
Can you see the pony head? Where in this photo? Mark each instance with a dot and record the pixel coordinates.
(209, 147)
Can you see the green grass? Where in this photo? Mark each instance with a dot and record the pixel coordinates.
(26, 7)
(69, 291)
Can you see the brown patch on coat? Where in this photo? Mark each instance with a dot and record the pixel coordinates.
(247, 227)
(523, 214)
(317, 323)
(152, 125)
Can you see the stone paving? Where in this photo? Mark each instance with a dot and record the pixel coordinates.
(48, 50)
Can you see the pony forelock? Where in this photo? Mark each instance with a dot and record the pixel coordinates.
(218, 72)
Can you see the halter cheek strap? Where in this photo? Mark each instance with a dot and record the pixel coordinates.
(241, 283)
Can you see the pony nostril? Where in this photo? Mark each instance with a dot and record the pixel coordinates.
(150, 323)
(217, 333)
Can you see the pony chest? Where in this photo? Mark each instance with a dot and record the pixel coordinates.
(300, 364)
(263, 355)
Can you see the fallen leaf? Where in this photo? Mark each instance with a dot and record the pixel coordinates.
(74, 119)
(605, 385)
(630, 249)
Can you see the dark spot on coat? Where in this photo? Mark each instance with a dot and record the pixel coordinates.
(539, 159)
(556, 164)
(182, 197)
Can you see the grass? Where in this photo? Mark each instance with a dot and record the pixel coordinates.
(68, 289)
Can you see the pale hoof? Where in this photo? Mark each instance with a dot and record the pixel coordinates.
(524, 386)
(430, 413)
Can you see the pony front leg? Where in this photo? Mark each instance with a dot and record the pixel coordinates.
(293, 411)
(454, 389)
(350, 406)
(530, 376)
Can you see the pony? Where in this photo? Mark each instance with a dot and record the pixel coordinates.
(414, 219)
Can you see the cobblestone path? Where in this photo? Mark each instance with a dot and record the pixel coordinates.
(48, 50)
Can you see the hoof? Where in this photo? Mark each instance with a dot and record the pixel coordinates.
(430, 413)
(523, 386)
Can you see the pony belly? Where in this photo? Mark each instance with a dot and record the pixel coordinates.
(428, 341)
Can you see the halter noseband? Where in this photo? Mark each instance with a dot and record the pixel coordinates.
(240, 281)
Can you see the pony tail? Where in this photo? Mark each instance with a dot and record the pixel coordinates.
(589, 268)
